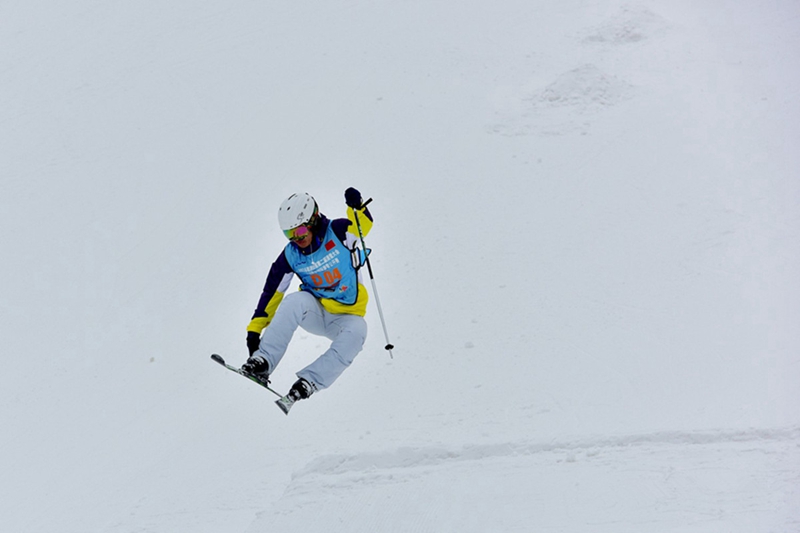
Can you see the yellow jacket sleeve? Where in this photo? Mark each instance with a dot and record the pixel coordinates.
(258, 323)
(364, 220)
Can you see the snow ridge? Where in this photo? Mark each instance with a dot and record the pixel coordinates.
(736, 481)
(407, 457)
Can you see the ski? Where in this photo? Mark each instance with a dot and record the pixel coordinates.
(256, 379)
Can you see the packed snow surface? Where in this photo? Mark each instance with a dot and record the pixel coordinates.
(587, 246)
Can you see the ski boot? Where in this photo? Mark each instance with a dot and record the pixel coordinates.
(258, 367)
(301, 390)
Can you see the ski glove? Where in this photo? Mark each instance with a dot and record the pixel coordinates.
(352, 198)
(253, 340)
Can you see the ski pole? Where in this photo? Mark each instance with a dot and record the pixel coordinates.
(389, 346)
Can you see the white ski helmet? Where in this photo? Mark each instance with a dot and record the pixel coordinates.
(298, 209)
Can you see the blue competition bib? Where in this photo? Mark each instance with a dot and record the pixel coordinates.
(326, 273)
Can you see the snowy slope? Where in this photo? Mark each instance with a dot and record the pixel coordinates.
(586, 247)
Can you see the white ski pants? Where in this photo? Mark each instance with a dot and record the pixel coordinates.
(348, 333)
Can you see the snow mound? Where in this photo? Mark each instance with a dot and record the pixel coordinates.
(631, 24)
(585, 88)
(667, 480)
(406, 457)
(562, 106)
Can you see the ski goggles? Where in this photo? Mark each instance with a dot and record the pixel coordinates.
(297, 234)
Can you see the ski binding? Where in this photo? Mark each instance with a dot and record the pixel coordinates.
(256, 379)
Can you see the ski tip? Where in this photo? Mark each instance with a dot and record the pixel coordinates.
(218, 358)
(285, 404)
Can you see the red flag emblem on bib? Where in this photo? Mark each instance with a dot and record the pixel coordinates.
(329, 246)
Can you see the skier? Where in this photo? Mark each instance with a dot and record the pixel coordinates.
(331, 301)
